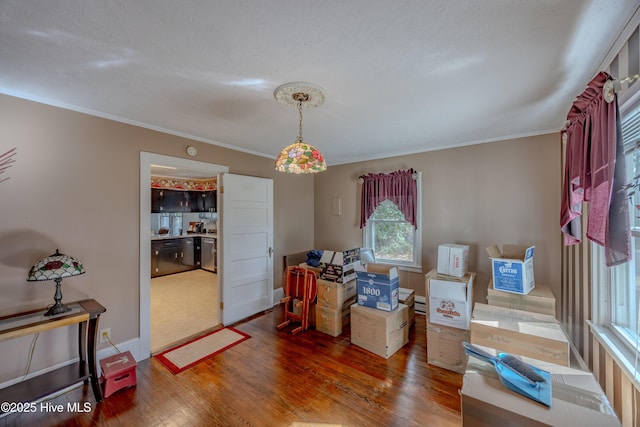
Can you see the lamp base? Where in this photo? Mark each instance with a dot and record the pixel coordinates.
(57, 309)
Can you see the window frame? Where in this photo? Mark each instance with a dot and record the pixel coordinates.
(416, 264)
(622, 343)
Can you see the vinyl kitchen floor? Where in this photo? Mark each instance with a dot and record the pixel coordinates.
(183, 305)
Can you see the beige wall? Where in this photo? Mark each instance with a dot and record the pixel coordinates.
(500, 192)
(75, 186)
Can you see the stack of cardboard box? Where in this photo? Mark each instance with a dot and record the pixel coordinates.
(379, 322)
(519, 320)
(336, 290)
(449, 293)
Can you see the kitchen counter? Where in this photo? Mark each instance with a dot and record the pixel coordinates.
(182, 236)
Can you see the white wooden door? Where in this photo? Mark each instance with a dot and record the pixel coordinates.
(246, 237)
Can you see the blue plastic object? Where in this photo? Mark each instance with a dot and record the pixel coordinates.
(519, 377)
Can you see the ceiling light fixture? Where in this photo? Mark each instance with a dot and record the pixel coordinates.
(300, 157)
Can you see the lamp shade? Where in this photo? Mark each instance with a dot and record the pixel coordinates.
(56, 266)
(300, 157)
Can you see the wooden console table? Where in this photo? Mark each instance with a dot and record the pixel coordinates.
(86, 314)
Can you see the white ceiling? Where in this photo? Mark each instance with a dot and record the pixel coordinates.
(399, 76)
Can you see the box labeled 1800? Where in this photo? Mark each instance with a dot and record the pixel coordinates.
(378, 290)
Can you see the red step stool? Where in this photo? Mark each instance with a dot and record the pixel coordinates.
(118, 371)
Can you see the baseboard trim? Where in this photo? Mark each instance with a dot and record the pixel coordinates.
(278, 294)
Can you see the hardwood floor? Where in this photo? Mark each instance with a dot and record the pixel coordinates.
(277, 379)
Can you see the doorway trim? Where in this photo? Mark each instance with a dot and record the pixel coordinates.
(146, 160)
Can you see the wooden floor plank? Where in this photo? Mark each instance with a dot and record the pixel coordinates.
(276, 379)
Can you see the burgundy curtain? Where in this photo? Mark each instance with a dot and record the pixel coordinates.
(399, 187)
(595, 173)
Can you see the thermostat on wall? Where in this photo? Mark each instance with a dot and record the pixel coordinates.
(192, 151)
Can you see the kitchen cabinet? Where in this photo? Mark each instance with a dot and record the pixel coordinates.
(163, 200)
(210, 199)
(198, 251)
(187, 258)
(207, 201)
(170, 256)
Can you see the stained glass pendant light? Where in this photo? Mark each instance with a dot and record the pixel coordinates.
(300, 157)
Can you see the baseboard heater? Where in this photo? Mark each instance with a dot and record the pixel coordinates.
(421, 305)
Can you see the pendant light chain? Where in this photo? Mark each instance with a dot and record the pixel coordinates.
(300, 122)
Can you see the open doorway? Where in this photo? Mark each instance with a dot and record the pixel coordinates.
(188, 168)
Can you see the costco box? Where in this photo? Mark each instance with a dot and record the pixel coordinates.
(534, 335)
(378, 290)
(512, 268)
(539, 300)
(334, 294)
(577, 399)
(408, 298)
(444, 347)
(453, 260)
(340, 266)
(332, 321)
(380, 332)
(450, 299)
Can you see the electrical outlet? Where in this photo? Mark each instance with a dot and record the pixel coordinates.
(105, 335)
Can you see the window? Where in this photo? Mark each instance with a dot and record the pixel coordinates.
(394, 240)
(619, 287)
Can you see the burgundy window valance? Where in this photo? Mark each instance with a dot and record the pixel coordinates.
(399, 187)
(595, 173)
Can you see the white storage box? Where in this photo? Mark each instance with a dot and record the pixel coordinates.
(378, 290)
(453, 260)
(512, 268)
(450, 299)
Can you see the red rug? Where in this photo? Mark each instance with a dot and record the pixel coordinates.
(205, 347)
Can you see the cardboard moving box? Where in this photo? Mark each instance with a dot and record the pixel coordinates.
(380, 332)
(512, 268)
(578, 400)
(408, 298)
(340, 266)
(334, 294)
(450, 299)
(444, 347)
(534, 335)
(539, 300)
(332, 321)
(453, 260)
(378, 290)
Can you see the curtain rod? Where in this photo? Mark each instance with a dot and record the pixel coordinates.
(415, 176)
(611, 87)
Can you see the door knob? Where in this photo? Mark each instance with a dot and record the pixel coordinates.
(270, 251)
